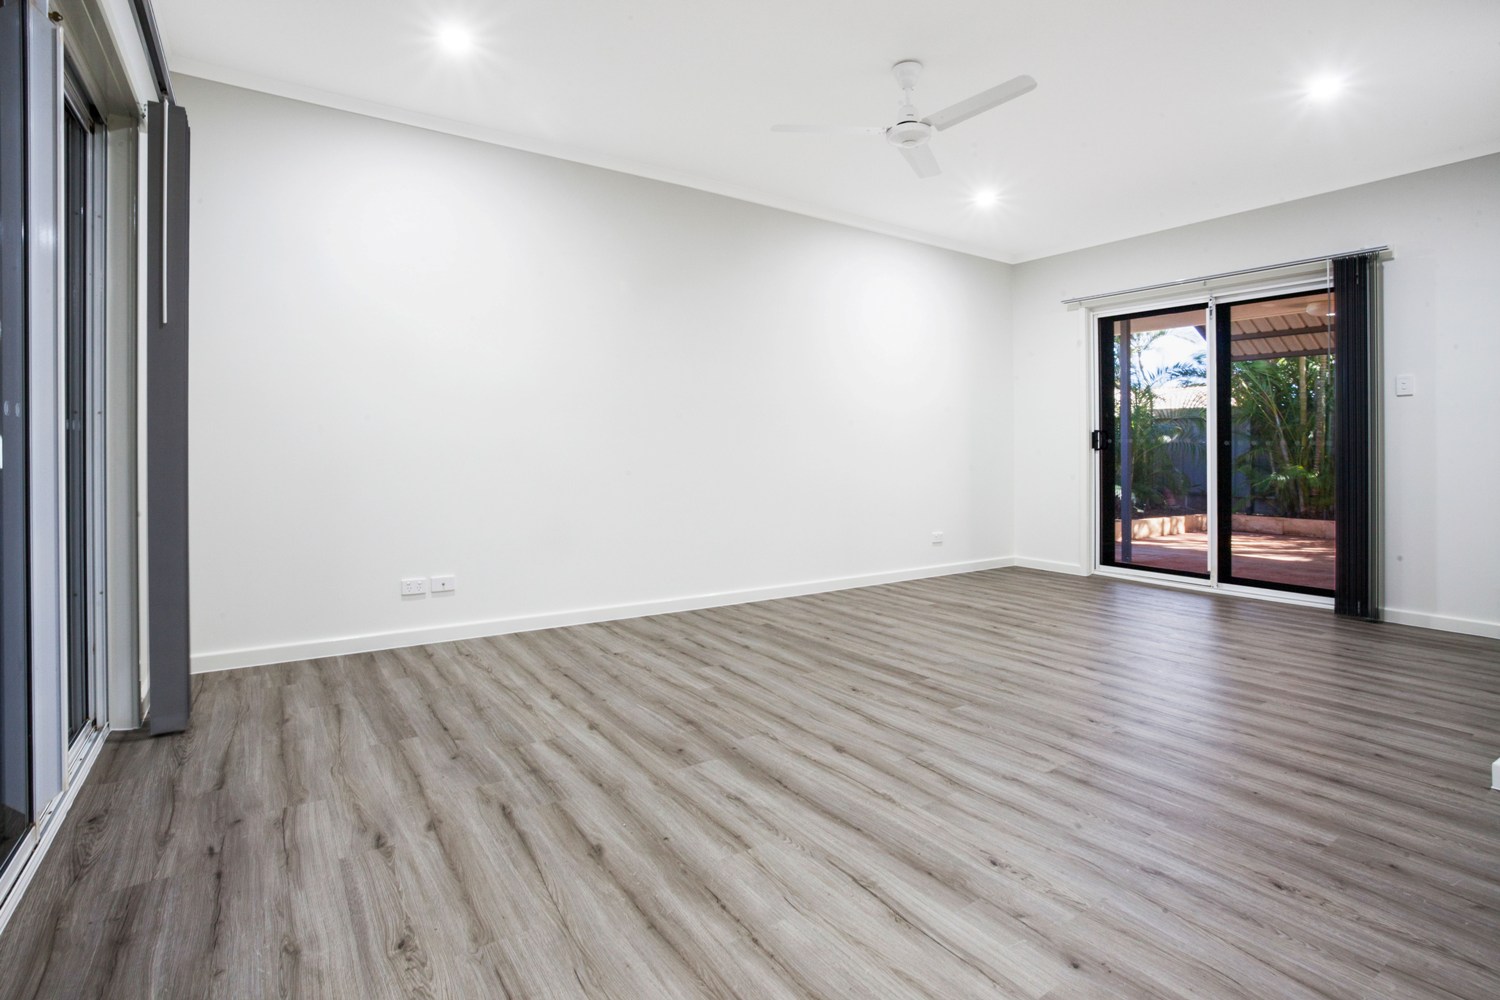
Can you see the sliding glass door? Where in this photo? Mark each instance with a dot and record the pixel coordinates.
(78, 410)
(1154, 445)
(1218, 424)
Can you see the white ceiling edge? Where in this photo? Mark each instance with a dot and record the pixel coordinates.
(1415, 163)
(1412, 165)
(435, 123)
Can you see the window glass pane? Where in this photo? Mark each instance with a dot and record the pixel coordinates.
(1281, 402)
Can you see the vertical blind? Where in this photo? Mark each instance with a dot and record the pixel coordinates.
(1353, 508)
(167, 418)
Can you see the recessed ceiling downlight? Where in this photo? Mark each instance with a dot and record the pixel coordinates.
(986, 198)
(1324, 87)
(455, 39)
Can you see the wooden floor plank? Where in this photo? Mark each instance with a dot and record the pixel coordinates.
(1006, 784)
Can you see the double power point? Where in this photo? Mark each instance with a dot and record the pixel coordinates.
(416, 586)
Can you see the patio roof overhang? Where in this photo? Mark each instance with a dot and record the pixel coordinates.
(1291, 327)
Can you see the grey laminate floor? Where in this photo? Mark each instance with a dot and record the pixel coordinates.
(1006, 784)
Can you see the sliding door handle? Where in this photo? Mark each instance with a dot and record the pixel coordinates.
(1096, 440)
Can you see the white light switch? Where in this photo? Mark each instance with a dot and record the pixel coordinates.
(1406, 385)
(937, 538)
(444, 584)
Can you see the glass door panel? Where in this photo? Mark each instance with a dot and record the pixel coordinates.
(1276, 461)
(1154, 445)
(77, 173)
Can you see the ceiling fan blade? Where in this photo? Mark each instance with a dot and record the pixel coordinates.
(981, 102)
(921, 160)
(830, 129)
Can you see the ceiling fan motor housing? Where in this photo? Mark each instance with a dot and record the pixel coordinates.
(908, 133)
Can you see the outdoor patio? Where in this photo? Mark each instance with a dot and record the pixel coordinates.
(1283, 559)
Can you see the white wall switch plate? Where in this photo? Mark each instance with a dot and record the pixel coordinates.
(445, 584)
(413, 585)
(1406, 385)
(937, 538)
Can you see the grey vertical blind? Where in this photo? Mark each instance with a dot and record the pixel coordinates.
(167, 418)
(1354, 280)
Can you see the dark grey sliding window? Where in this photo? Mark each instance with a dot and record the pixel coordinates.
(15, 665)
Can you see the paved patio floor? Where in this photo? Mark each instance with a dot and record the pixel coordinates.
(1285, 559)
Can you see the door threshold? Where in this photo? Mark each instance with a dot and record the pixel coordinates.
(1210, 587)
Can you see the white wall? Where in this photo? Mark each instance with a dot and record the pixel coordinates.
(584, 393)
(1442, 323)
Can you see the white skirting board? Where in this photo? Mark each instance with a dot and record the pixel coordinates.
(1443, 623)
(231, 659)
(1051, 566)
(1396, 616)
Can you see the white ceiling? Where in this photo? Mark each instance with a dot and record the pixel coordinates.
(1149, 114)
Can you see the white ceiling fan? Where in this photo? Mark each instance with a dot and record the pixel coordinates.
(911, 132)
